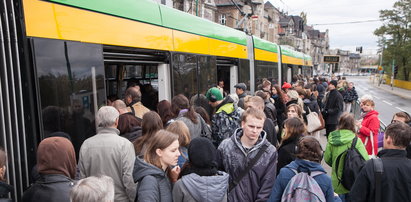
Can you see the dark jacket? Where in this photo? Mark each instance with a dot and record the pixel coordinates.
(153, 183)
(225, 121)
(49, 188)
(270, 111)
(193, 187)
(269, 128)
(333, 107)
(395, 181)
(233, 159)
(350, 95)
(286, 152)
(241, 100)
(5, 189)
(286, 173)
(321, 91)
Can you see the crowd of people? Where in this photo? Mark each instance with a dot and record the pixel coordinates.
(252, 146)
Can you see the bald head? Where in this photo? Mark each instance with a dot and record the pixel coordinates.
(120, 106)
(132, 95)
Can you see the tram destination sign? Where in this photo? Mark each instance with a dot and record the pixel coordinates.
(331, 58)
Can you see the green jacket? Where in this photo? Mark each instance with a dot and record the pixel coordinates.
(338, 142)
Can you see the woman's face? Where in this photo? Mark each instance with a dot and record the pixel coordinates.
(273, 90)
(292, 112)
(169, 155)
(366, 107)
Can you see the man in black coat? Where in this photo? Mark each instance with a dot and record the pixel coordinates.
(334, 106)
(396, 179)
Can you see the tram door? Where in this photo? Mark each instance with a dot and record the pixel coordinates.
(289, 74)
(228, 74)
(148, 69)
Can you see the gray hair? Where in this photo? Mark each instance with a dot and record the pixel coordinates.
(119, 104)
(366, 97)
(93, 189)
(106, 116)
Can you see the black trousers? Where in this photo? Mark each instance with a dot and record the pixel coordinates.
(329, 128)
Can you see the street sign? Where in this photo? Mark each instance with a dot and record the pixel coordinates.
(331, 58)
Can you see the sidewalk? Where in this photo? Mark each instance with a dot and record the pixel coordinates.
(394, 90)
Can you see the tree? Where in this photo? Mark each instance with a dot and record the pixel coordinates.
(395, 37)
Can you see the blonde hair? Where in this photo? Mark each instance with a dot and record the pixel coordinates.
(181, 129)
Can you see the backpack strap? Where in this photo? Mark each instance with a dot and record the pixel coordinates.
(337, 161)
(248, 168)
(378, 171)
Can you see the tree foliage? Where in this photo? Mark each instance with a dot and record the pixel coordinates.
(395, 37)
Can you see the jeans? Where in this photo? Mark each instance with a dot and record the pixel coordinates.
(345, 197)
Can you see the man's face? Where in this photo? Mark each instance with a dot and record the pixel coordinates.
(252, 128)
(221, 84)
(331, 87)
(398, 119)
(239, 91)
(350, 85)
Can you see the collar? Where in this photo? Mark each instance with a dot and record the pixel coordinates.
(392, 153)
(228, 99)
(108, 130)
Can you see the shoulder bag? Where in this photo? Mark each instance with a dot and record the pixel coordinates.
(313, 121)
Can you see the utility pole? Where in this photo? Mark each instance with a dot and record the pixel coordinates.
(392, 74)
(381, 71)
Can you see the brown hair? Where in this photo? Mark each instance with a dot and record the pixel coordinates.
(279, 93)
(164, 110)
(181, 129)
(404, 115)
(254, 99)
(203, 113)
(346, 122)
(150, 125)
(261, 94)
(293, 128)
(302, 92)
(400, 134)
(252, 112)
(3, 161)
(297, 109)
(180, 102)
(309, 148)
(161, 140)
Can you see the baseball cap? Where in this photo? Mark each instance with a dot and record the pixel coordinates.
(214, 94)
(241, 85)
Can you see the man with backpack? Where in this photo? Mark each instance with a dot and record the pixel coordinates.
(387, 178)
(227, 116)
(249, 159)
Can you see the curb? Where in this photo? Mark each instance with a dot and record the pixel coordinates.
(400, 94)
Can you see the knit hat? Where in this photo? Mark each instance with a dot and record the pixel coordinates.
(334, 83)
(286, 85)
(214, 94)
(202, 153)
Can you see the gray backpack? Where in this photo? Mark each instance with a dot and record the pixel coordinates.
(303, 187)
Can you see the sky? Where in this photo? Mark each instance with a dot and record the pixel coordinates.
(342, 36)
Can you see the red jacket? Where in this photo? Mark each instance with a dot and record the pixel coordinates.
(370, 123)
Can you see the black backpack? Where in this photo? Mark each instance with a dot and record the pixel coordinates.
(353, 162)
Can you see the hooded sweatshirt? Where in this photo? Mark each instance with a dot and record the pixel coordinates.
(153, 184)
(193, 187)
(338, 142)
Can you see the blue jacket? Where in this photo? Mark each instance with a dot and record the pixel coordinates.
(286, 174)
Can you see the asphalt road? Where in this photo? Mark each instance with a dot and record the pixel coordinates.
(386, 103)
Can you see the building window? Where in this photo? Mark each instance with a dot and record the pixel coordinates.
(223, 19)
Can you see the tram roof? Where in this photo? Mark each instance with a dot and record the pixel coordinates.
(151, 12)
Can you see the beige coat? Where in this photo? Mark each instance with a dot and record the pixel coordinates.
(106, 153)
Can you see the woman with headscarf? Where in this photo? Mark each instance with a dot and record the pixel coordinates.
(56, 163)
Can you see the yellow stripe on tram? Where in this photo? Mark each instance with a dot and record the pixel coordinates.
(265, 55)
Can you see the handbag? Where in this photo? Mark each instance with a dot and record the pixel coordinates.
(313, 121)
(373, 155)
(380, 139)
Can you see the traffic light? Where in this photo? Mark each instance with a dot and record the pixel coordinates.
(359, 49)
(395, 70)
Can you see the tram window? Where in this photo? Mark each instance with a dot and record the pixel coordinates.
(207, 73)
(133, 71)
(268, 70)
(185, 75)
(244, 72)
(64, 71)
